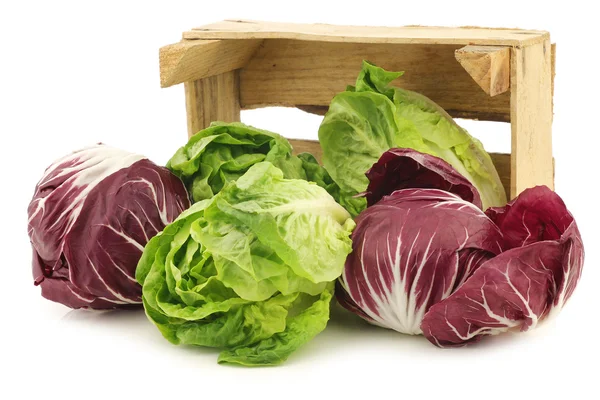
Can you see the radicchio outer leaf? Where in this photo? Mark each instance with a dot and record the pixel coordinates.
(411, 250)
(91, 215)
(516, 290)
(409, 169)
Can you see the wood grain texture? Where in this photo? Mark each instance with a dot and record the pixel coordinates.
(553, 61)
(215, 98)
(531, 117)
(190, 60)
(246, 29)
(501, 161)
(307, 73)
(489, 66)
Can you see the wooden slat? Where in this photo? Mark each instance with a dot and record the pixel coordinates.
(553, 62)
(500, 160)
(531, 117)
(306, 73)
(215, 98)
(245, 29)
(489, 66)
(478, 115)
(190, 60)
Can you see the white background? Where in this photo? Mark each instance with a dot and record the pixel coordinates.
(73, 74)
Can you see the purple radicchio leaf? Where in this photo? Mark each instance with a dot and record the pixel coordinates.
(524, 285)
(411, 250)
(91, 215)
(409, 169)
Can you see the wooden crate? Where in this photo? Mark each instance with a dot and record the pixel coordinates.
(477, 73)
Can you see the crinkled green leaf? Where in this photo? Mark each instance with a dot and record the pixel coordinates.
(225, 151)
(277, 348)
(316, 173)
(249, 270)
(288, 215)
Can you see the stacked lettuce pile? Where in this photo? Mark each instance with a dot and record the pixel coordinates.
(407, 220)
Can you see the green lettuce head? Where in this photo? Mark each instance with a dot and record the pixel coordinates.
(223, 152)
(250, 270)
(370, 118)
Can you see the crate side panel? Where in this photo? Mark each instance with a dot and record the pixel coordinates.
(303, 73)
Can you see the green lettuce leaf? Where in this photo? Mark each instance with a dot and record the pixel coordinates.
(371, 117)
(300, 329)
(316, 173)
(249, 270)
(225, 151)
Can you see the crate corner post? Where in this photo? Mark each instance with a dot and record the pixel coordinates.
(214, 98)
(531, 116)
